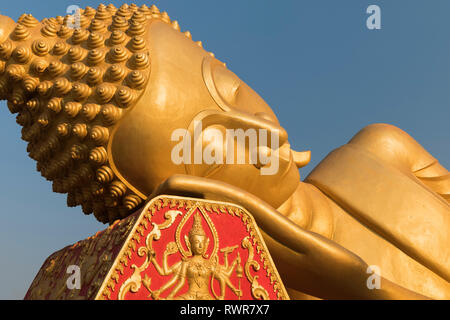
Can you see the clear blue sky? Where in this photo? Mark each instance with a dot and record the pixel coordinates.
(315, 62)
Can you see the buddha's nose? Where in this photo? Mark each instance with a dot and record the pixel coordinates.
(301, 158)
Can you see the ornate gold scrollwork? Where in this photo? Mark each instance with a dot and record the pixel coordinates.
(133, 284)
(258, 292)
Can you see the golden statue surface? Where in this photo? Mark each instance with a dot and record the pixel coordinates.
(99, 104)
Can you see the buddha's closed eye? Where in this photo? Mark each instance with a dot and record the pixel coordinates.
(227, 84)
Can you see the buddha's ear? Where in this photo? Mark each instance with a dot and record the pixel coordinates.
(188, 245)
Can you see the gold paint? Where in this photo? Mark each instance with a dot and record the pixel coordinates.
(23, 118)
(50, 30)
(90, 111)
(124, 96)
(140, 61)
(137, 44)
(292, 213)
(72, 108)
(100, 135)
(117, 189)
(95, 40)
(30, 83)
(79, 151)
(55, 104)
(94, 75)
(105, 174)
(28, 21)
(6, 49)
(63, 129)
(81, 91)
(33, 105)
(116, 72)
(105, 92)
(56, 68)
(111, 114)
(80, 130)
(124, 11)
(117, 38)
(18, 96)
(165, 17)
(258, 292)
(98, 156)
(118, 54)
(45, 88)
(95, 56)
(62, 86)
(20, 33)
(78, 70)
(65, 32)
(77, 54)
(175, 25)
(103, 13)
(136, 80)
(39, 66)
(15, 72)
(97, 26)
(79, 35)
(111, 8)
(131, 202)
(119, 23)
(61, 48)
(22, 55)
(138, 18)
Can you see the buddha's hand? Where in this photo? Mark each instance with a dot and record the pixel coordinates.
(309, 261)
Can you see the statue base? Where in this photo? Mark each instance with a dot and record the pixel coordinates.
(173, 248)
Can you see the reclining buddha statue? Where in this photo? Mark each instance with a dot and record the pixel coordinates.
(100, 94)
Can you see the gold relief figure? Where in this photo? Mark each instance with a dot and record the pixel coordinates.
(197, 270)
(99, 106)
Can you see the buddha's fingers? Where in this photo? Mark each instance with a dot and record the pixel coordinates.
(309, 253)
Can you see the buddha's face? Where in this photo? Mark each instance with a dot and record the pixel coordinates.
(198, 244)
(186, 86)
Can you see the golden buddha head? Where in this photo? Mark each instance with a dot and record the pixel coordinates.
(99, 105)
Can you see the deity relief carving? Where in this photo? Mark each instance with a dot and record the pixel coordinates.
(192, 264)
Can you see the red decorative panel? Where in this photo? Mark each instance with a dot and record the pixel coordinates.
(190, 249)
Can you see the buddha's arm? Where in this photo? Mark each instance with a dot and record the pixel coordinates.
(307, 261)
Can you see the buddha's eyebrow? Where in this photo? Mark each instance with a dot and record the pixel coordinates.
(234, 119)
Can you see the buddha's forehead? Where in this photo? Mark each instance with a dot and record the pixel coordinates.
(182, 67)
